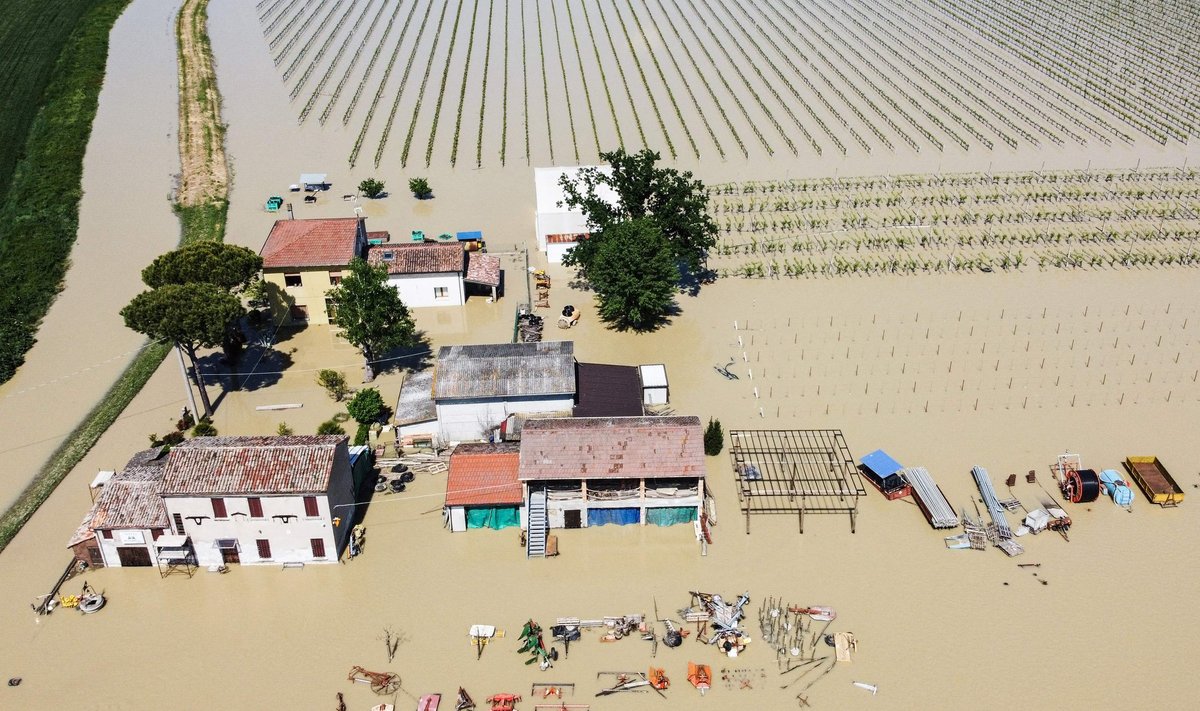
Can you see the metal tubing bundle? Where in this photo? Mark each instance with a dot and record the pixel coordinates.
(993, 505)
(941, 513)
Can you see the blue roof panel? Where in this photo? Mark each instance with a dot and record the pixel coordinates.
(880, 464)
(475, 236)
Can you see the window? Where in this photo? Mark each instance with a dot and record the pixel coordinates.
(292, 280)
(318, 547)
(264, 548)
(299, 312)
(335, 278)
(310, 507)
(96, 557)
(388, 256)
(441, 292)
(156, 532)
(331, 311)
(255, 505)
(219, 508)
(107, 533)
(178, 518)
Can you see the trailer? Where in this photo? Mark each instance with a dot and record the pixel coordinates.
(1154, 480)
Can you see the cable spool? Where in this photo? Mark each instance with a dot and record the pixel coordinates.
(1083, 486)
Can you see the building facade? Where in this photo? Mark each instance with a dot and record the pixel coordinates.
(304, 259)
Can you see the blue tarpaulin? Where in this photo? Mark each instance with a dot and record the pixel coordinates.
(621, 517)
(671, 515)
(474, 236)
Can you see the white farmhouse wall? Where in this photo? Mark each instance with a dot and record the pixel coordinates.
(417, 290)
(428, 427)
(109, 546)
(557, 250)
(465, 420)
(290, 540)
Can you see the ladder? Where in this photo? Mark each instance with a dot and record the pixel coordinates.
(535, 540)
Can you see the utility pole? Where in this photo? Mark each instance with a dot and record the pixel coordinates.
(191, 396)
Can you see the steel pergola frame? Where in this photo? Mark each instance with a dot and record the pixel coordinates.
(795, 472)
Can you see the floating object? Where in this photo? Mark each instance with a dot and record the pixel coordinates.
(503, 702)
(1154, 481)
(482, 634)
(383, 707)
(820, 613)
(91, 603)
(658, 678)
(14, 681)
(1037, 520)
(285, 406)
(1116, 488)
(1003, 533)
(274, 203)
(960, 542)
(886, 475)
(868, 687)
(700, 675)
(1078, 485)
(429, 702)
(844, 645)
(465, 702)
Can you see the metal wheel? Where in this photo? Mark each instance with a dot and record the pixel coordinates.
(386, 686)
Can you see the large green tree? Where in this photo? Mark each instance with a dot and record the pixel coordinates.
(192, 316)
(228, 266)
(674, 201)
(634, 275)
(370, 313)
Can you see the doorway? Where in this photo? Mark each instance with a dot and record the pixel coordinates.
(230, 555)
(134, 557)
(573, 518)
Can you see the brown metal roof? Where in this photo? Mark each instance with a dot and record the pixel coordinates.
(311, 243)
(484, 475)
(612, 448)
(418, 258)
(237, 466)
(608, 391)
(505, 370)
(483, 269)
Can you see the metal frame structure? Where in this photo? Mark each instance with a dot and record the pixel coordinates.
(795, 472)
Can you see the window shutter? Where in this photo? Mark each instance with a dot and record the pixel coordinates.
(219, 508)
(264, 548)
(310, 507)
(255, 504)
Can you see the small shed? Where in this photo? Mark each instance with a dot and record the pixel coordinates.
(415, 412)
(607, 391)
(482, 490)
(885, 474)
(655, 390)
(314, 181)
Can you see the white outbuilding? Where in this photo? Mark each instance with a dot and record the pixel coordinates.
(559, 228)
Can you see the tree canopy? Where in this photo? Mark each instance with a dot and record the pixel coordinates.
(366, 406)
(227, 266)
(192, 316)
(634, 275)
(674, 201)
(369, 311)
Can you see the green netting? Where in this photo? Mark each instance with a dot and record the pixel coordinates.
(671, 515)
(493, 517)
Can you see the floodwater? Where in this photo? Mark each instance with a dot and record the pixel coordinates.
(951, 627)
(125, 220)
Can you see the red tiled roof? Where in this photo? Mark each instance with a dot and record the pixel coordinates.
(381, 236)
(418, 258)
(611, 448)
(565, 238)
(483, 269)
(484, 475)
(311, 243)
(130, 504)
(210, 466)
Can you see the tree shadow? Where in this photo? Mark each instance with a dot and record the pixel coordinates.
(258, 367)
(662, 320)
(416, 356)
(690, 282)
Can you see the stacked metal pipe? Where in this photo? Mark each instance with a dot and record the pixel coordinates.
(941, 513)
(993, 504)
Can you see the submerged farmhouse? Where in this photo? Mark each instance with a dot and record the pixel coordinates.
(304, 259)
(280, 499)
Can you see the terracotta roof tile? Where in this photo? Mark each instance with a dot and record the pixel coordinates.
(211, 466)
(130, 499)
(483, 269)
(418, 258)
(612, 448)
(484, 475)
(311, 243)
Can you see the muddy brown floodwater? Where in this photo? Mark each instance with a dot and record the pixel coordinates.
(934, 626)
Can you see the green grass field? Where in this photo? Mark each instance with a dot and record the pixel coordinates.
(51, 70)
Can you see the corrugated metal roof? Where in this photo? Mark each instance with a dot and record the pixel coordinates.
(415, 403)
(311, 243)
(484, 475)
(612, 448)
(505, 370)
(237, 466)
